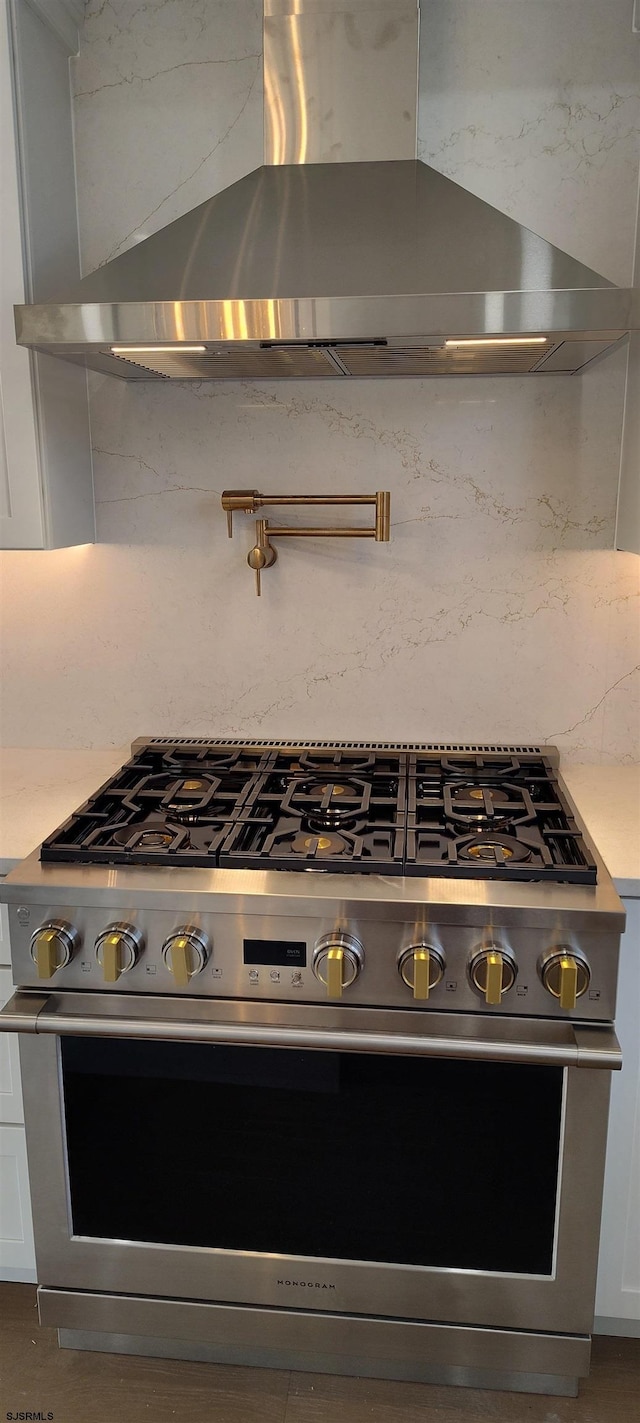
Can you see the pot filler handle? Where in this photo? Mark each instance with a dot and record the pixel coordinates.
(584, 1046)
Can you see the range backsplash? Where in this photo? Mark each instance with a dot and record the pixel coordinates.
(499, 609)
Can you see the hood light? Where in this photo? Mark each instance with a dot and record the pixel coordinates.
(501, 341)
(158, 350)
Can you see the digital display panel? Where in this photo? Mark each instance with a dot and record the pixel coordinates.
(277, 953)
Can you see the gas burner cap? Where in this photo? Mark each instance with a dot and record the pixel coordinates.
(476, 792)
(323, 822)
(189, 787)
(318, 845)
(323, 789)
(159, 834)
(154, 840)
(152, 834)
(329, 819)
(482, 805)
(328, 804)
(493, 850)
(174, 794)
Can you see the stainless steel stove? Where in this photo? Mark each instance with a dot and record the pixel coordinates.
(281, 1116)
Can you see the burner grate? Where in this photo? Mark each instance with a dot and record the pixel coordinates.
(346, 807)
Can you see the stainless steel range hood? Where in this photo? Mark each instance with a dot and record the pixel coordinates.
(350, 267)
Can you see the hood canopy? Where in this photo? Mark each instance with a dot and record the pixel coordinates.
(339, 269)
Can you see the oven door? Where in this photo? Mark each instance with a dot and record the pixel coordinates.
(412, 1165)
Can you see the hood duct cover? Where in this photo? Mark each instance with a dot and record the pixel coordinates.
(340, 269)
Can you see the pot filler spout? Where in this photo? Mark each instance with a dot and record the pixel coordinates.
(343, 255)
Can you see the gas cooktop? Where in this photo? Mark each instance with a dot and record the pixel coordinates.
(491, 813)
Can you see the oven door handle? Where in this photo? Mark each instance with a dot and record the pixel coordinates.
(556, 1044)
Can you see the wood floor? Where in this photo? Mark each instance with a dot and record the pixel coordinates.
(107, 1388)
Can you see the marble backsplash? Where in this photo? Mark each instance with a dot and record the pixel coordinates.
(168, 110)
(534, 105)
(499, 610)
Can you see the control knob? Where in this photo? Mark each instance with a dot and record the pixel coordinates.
(185, 953)
(493, 972)
(52, 946)
(421, 967)
(117, 949)
(566, 975)
(337, 960)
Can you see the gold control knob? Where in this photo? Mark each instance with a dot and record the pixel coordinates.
(117, 949)
(185, 953)
(52, 946)
(566, 975)
(337, 960)
(421, 967)
(493, 972)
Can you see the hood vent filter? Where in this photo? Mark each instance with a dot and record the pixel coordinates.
(267, 361)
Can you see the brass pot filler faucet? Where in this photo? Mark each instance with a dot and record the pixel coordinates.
(263, 554)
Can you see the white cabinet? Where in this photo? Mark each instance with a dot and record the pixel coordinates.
(618, 1293)
(17, 1257)
(628, 520)
(46, 483)
(10, 1089)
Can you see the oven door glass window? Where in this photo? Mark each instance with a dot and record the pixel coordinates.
(334, 1155)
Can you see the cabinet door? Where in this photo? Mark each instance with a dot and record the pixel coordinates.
(21, 520)
(628, 521)
(17, 1260)
(46, 490)
(618, 1293)
(17, 1257)
(10, 1088)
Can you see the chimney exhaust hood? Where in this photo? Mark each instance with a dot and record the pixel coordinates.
(343, 255)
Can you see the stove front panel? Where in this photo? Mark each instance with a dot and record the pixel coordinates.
(267, 957)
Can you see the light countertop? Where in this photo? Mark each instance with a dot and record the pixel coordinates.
(39, 789)
(607, 799)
